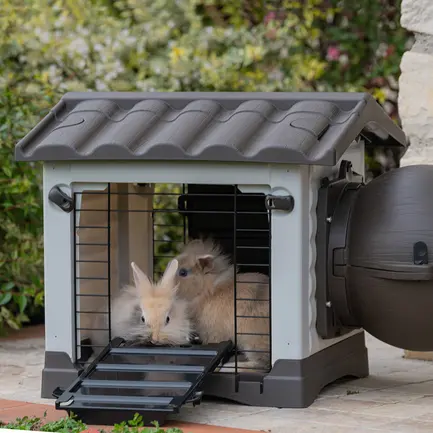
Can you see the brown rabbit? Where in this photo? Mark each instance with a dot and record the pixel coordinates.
(206, 279)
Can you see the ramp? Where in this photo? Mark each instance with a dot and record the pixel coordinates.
(154, 381)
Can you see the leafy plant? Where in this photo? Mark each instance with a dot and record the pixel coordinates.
(21, 262)
(136, 425)
(25, 423)
(70, 424)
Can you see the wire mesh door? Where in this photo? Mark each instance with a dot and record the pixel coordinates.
(172, 215)
(241, 224)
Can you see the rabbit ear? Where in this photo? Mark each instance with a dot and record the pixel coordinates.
(140, 278)
(170, 272)
(206, 262)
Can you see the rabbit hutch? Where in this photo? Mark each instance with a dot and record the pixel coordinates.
(277, 181)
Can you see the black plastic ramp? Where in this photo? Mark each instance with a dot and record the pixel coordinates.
(154, 381)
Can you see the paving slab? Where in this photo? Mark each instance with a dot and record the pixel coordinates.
(396, 397)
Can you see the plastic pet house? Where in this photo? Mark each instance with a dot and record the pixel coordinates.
(276, 182)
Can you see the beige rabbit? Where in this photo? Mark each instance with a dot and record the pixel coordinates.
(150, 313)
(146, 312)
(206, 279)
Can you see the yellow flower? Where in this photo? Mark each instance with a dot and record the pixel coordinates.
(253, 53)
(176, 54)
(380, 95)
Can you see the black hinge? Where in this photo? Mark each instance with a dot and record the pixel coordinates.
(280, 202)
(59, 198)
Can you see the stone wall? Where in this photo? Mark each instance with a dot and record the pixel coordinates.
(416, 82)
(416, 94)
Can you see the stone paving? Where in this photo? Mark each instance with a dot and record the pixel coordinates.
(397, 397)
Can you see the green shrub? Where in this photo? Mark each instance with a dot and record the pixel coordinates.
(71, 424)
(48, 47)
(21, 262)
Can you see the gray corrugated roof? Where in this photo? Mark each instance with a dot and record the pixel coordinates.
(299, 128)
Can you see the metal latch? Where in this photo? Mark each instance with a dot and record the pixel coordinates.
(280, 202)
(62, 200)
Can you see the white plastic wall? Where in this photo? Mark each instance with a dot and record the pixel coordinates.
(293, 248)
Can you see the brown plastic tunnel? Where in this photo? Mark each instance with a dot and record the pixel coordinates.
(387, 264)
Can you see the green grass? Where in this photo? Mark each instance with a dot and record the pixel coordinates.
(70, 424)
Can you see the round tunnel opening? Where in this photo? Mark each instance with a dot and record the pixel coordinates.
(379, 254)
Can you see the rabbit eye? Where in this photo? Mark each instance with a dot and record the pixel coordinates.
(143, 320)
(183, 272)
(167, 320)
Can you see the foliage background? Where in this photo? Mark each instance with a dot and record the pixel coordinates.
(48, 47)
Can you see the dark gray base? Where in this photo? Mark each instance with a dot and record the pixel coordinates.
(290, 384)
(294, 383)
(59, 371)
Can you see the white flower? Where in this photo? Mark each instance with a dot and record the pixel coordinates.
(99, 69)
(100, 86)
(54, 75)
(110, 75)
(381, 49)
(80, 46)
(315, 43)
(81, 63)
(392, 81)
(276, 75)
(124, 33)
(60, 21)
(344, 59)
(390, 94)
(116, 46)
(388, 107)
(131, 40)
